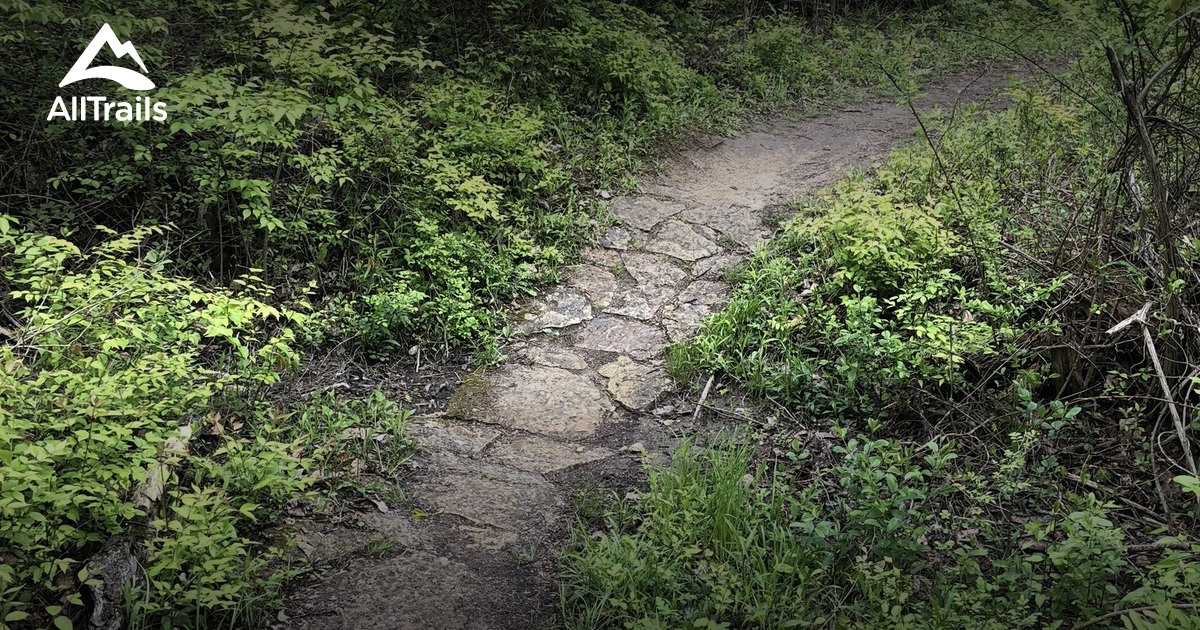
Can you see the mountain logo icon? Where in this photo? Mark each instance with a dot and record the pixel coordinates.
(126, 77)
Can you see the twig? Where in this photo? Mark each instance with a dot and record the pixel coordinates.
(703, 397)
(1150, 515)
(1158, 486)
(1118, 613)
(1180, 430)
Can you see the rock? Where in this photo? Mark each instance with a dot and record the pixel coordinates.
(616, 238)
(599, 285)
(538, 399)
(433, 436)
(714, 267)
(644, 212)
(678, 240)
(540, 455)
(554, 356)
(600, 257)
(641, 302)
(492, 496)
(634, 385)
(740, 224)
(652, 269)
(561, 308)
(636, 447)
(694, 305)
(613, 334)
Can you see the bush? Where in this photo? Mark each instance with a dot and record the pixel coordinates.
(434, 150)
(119, 369)
(889, 535)
(890, 284)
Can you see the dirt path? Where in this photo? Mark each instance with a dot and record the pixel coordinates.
(584, 393)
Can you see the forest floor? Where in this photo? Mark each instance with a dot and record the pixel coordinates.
(583, 397)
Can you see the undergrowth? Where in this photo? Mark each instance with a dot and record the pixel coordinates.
(974, 433)
(374, 175)
(133, 411)
(881, 534)
(416, 168)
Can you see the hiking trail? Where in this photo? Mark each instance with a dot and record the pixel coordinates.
(584, 391)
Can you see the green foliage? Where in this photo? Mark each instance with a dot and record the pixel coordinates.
(115, 361)
(890, 282)
(352, 437)
(419, 165)
(888, 536)
(935, 297)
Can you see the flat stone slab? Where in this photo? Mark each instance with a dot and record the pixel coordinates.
(652, 269)
(740, 223)
(635, 385)
(695, 304)
(538, 399)
(644, 212)
(600, 256)
(714, 267)
(561, 308)
(599, 285)
(614, 334)
(616, 237)
(641, 302)
(543, 456)
(679, 240)
(433, 436)
(554, 356)
(423, 590)
(487, 495)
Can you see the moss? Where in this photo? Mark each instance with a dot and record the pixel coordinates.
(472, 398)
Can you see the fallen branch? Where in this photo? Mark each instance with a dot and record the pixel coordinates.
(1180, 429)
(703, 397)
(1118, 613)
(119, 561)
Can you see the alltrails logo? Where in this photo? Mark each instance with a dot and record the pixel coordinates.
(142, 109)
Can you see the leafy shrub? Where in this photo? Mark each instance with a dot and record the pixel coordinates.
(887, 282)
(115, 358)
(332, 149)
(879, 539)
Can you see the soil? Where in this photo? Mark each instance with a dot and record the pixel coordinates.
(582, 399)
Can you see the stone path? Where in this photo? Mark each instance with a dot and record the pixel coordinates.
(584, 388)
